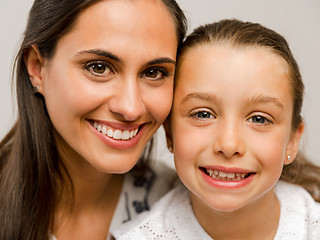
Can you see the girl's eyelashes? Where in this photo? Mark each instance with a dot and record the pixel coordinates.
(155, 73)
(99, 68)
(202, 114)
(260, 120)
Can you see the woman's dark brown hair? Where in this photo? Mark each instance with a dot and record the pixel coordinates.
(31, 171)
(243, 34)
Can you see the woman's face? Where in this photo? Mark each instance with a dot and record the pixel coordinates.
(109, 84)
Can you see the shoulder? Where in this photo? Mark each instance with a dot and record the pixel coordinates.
(144, 224)
(300, 213)
(157, 180)
(140, 192)
(296, 197)
(170, 218)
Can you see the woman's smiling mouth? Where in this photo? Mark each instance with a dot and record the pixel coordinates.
(116, 134)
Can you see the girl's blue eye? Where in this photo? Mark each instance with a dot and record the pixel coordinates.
(259, 119)
(203, 115)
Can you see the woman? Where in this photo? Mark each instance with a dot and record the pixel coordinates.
(94, 83)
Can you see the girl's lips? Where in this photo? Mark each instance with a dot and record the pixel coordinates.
(226, 177)
(226, 169)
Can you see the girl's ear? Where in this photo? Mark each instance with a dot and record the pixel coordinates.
(167, 128)
(34, 64)
(293, 145)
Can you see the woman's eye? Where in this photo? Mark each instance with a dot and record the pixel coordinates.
(259, 120)
(203, 115)
(155, 74)
(98, 69)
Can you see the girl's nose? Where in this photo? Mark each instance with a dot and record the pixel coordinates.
(127, 101)
(229, 141)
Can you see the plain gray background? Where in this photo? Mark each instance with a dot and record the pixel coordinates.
(297, 20)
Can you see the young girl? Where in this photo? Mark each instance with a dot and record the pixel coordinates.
(234, 130)
(89, 76)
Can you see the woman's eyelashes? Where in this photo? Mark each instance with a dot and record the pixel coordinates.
(105, 70)
(99, 68)
(155, 73)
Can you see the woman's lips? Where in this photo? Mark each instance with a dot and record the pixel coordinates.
(115, 135)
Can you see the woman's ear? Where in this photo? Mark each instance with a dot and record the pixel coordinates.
(34, 64)
(293, 145)
(167, 128)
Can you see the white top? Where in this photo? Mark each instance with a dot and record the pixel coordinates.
(172, 218)
(138, 195)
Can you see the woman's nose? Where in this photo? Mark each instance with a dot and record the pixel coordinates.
(229, 140)
(127, 100)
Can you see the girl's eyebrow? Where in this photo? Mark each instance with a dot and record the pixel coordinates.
(258, 99)
(266, 99)
(200, 95)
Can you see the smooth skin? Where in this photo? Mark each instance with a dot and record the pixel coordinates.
(114, 68)
(232, 111)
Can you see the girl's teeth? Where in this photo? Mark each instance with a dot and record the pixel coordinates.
(230, 175)
(116, 134)
(224, 176)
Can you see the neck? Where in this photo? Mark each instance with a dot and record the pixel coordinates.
(93, 199)
(257, 220)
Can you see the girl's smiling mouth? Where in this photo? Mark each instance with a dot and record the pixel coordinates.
(231, 178)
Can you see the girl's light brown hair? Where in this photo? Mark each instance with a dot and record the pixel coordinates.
(242, 34)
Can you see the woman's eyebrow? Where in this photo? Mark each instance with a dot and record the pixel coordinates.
(161, 60)
(102, 53)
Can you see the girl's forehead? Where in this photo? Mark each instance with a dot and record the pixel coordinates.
(226, 54)
(228, 70)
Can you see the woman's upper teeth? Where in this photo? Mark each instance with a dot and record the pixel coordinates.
(115, 133)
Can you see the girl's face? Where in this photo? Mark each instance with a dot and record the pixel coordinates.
(109, 85)
(231, 125)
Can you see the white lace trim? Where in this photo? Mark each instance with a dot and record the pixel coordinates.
(172, 218)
